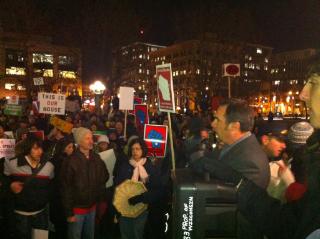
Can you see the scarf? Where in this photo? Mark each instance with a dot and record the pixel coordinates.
(139, 171)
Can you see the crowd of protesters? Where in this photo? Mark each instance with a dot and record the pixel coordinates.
(58, 184)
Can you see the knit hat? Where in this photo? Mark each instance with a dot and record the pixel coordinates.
(103, 138)
(79, 133)
(300, 132)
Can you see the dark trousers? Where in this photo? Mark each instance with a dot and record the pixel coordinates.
(24, 224)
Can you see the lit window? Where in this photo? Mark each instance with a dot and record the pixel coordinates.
(184, 72)
(265, 68)
(140, 70)
(246, 65)
(67, 74)
(48, 73)
(246, 73)
(9, 86)
(21, 87)
(148, 72)
(16, 71)
(148, 57)
(198, 72)
(257, 66)
(272, 71)
(174, 73)
(177, 73)
(250, 58)
(284, 69)
(266, 60)
(140, 56)
(259, 51)
(42, 58)
(65, 60)
(246, 57)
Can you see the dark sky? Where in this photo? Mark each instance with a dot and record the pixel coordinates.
(97, 27)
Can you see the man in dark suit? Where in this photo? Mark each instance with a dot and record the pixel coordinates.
(232, 123)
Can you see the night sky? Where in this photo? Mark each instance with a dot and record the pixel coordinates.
(97, 27)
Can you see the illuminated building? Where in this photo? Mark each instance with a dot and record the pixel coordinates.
(24, 58)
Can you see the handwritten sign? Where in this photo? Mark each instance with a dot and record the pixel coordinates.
(7, 148)
(53, 104)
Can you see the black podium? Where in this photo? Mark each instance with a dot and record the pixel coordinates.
(202, 208)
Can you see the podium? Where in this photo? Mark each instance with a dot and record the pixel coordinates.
(202, 208)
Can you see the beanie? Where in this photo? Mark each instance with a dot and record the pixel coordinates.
(79, 133)
(300, 132)
(103, 138)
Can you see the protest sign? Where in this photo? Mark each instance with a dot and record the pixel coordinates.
(136, 101)
(60, 124)
(38, 133)
(9, 134)
(142, 116)
(13, 100)
(155, 137)
(165, 88)
(38, 81)
(7, 148)
(109, 158)
(50, 103)
(126, 98)
(15, 110)
(72, 105)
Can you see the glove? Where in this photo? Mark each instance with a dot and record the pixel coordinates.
(135, 199)
(221, 171)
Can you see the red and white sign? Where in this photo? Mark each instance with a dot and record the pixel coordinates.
(165, 88)
(230, 69)
(7, 148)
(141, 115)
(52, 104)
(155, 137)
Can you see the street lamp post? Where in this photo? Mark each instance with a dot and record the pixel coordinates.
(98, 89)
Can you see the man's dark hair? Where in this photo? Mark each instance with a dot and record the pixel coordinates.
(239, 111)
(29, 143)
(142, 144)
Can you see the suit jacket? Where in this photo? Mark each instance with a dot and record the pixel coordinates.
(248, 158)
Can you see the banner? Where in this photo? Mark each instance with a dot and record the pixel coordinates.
(155, 137)
(53, 104)
(141, 115)
(136, 101)
(13, 100)
(7, 148)
(126, 98)
(165, 88)
(15, 110)
(60, 124)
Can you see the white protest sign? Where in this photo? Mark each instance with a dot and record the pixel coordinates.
(52, 104)
(13, 100)
(38, 81)
(126, 98)
(7, 148)
(109, 158)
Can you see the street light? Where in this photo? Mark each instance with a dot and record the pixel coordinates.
(98, 89)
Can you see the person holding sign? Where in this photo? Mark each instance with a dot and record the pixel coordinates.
(30, 176)
(139, 169)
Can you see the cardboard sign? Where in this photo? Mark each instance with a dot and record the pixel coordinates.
(136, 101)
(109, 158)
(155, 137)
(52, 104)
(38, 81)
(142, 116)
(15, 110)
(72, 105)
(62, 125)
(7, 148)
(13, 100)
(165, 88)
(39, 134)
(126, 98)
